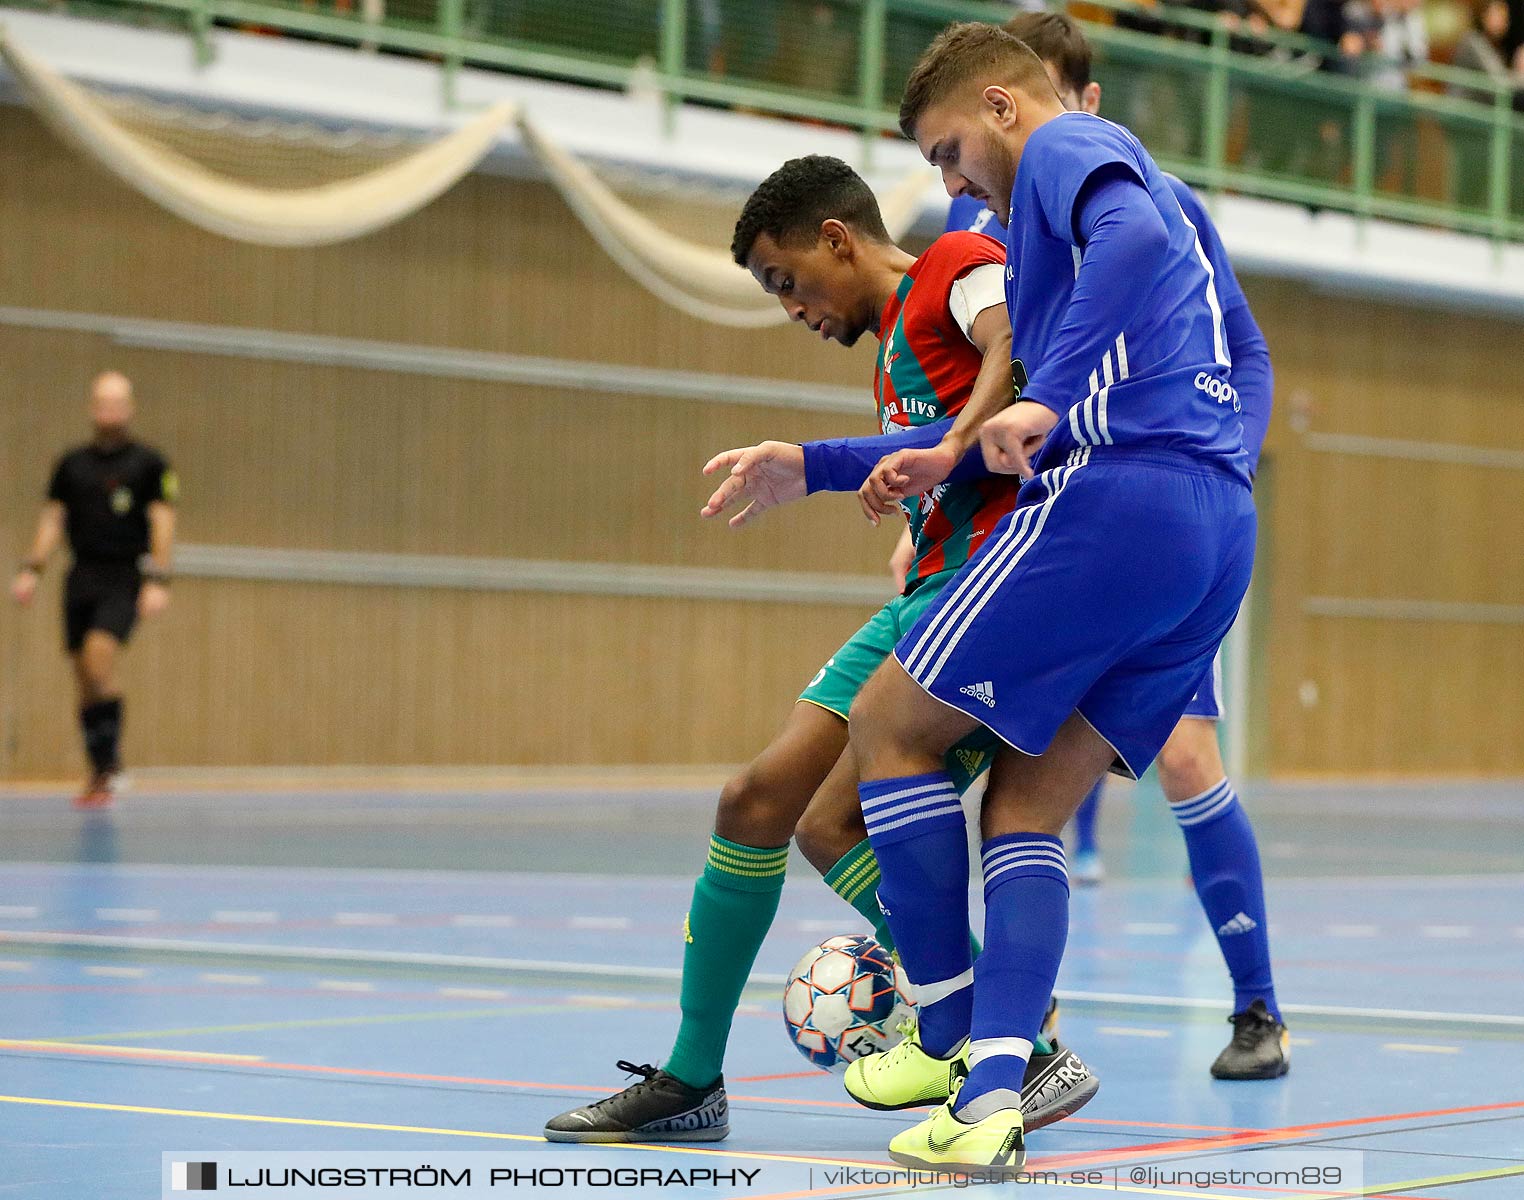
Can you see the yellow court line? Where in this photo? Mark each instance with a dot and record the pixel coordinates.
(259, 1118)
(61, 1044)
(1409, 1185)
(263, 1119)
(323, 1022)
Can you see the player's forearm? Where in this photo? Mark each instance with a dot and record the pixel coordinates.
(45, 541)
(992, 392)
(1126, 244)
(843, 464)
(1252, 376)
(161, 538)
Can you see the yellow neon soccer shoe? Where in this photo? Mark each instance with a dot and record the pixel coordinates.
(995, 1145)
(906, 1076)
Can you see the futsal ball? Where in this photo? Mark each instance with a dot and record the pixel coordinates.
(843, 1000)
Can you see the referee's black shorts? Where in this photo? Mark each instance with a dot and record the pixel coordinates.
(100, 595)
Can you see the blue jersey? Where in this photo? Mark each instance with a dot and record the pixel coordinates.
(966, 213)
(1246, 344)
(973, 215)
(1162, 383)
(1252, 378)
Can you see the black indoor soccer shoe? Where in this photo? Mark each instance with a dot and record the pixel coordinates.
(657, 1108)
(1260, 1049)
(1056, 1086)
(1049, 1028)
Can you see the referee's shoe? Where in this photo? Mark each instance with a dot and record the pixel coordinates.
(99, 792)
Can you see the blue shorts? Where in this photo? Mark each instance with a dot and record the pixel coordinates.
(1107, 592)
(1207, 702)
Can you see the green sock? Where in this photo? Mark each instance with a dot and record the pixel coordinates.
(855, 879)
(734, 902)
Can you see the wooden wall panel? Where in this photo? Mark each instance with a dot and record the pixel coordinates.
(258, 673)
(494, 264)
(1399, 697)
(286, 455)
(1355, 695)
(290, 455)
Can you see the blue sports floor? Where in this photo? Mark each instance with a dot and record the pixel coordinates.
(384, 970)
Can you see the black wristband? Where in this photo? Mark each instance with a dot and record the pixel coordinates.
(162, 578)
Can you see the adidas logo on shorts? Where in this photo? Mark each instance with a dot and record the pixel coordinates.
(1242, 923)
(982, 692)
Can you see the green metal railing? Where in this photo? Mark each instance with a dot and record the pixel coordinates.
(1264, 124)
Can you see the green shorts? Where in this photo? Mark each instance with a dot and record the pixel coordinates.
(837, 683)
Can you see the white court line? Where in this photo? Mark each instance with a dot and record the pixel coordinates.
(532, 880)
(14, 964)
(1133, 1031)
(593, 1000)
(484, 921)
(1418, 1048)
(1447, 931)
(118, 972)
(19, 910)
(1306, 1010)
(364, 918)
(235, 980)
(224, 916)
(471, 993)
(1353, 930)
(346, 985)
(1150, 928)
(127, 914)
(647, 972)
(600, 922)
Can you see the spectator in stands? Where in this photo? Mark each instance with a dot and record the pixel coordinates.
(1513, 48)
(1389, 37)
(1485, 49)
(1324, 20)
(1286, 136)
(1482, 49)
(1392, 37)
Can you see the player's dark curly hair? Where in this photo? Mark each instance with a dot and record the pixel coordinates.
(790, 204)
(1057, 38)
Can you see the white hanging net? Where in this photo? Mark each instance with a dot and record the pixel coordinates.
(701, 281)
(288, 183)
(148, 153)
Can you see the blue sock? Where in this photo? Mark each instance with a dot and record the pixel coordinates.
(1085, 819)
(916, 828)
(1026, 923)
(1224, 857)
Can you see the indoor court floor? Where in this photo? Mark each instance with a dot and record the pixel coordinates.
(390, 969)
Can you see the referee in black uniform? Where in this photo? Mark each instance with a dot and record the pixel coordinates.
(115, 499)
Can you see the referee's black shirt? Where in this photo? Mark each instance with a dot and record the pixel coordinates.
(106, 494)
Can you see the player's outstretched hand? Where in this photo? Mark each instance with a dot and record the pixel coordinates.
(1010, 438)
(903, 474)
(764, 476)
(153, 598)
